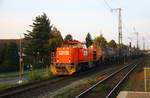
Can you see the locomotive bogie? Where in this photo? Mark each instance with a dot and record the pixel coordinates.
(63, 69)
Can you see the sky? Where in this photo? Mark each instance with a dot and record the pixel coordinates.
(78, 17)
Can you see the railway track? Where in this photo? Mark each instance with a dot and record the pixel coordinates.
(53, 81)
(51, 84)
(25, 87)
(109, 86)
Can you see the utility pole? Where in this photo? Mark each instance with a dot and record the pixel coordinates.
(137, 35)
(120, 28)
(20, 61)
(20, 57)
(120, 43)
(143, 43)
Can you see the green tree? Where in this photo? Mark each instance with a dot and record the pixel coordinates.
(68, 38)
(100, 40)
(88, 40)
(124, 46)
(11, 57)
(3, 49)
(37, 40)
(1, 57)
(56, 39)
(112, 44)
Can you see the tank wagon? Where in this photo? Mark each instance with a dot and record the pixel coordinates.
(73, 56)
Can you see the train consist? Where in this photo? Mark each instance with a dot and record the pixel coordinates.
(73, 56)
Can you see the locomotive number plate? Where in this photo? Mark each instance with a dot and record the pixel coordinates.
(63, 52)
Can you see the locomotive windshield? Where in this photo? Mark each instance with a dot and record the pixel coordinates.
(73, 44)
(70, 45)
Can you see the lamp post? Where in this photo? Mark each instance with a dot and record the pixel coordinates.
(20, 61)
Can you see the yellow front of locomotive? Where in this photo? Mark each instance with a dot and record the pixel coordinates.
(64, 64)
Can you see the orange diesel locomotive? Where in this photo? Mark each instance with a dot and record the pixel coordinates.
(73, 56)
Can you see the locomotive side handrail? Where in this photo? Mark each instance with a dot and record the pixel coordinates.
(53, 58)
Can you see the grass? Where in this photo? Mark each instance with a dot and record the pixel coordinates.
(9, 75)
(147, 63)
(31, 78)
(36, 75)
(25, 73)
(128, 85)
(100, 88)
(76, 88)
(4, 86)
(68, 93)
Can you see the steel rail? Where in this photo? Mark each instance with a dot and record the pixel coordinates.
(93, 86)
(33, 85)
(24, 87)
(111, 92)
(28, 86)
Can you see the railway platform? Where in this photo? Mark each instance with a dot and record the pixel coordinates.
(133, 94)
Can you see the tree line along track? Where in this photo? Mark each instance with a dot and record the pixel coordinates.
(109, 86)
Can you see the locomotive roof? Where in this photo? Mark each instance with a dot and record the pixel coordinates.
(72, 42)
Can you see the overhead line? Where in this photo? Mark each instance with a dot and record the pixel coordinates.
(107, 5)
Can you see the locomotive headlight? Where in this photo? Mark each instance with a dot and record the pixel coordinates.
(92, 46)
(57, 60)
(69, 60)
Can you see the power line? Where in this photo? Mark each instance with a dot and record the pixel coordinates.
(108, 5)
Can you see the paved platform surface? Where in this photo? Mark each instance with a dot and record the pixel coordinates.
(132, 94)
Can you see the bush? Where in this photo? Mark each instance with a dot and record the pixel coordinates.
(9, 58)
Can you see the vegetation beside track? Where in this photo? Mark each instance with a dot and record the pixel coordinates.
(35, 76)
(101, 88)
(4, 86)
(68, 93)
(32, 76)
(135, 82)
(80, 86)
(128, 85)
(147, 62)
(25, 73)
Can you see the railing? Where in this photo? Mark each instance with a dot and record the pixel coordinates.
(53, 58)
